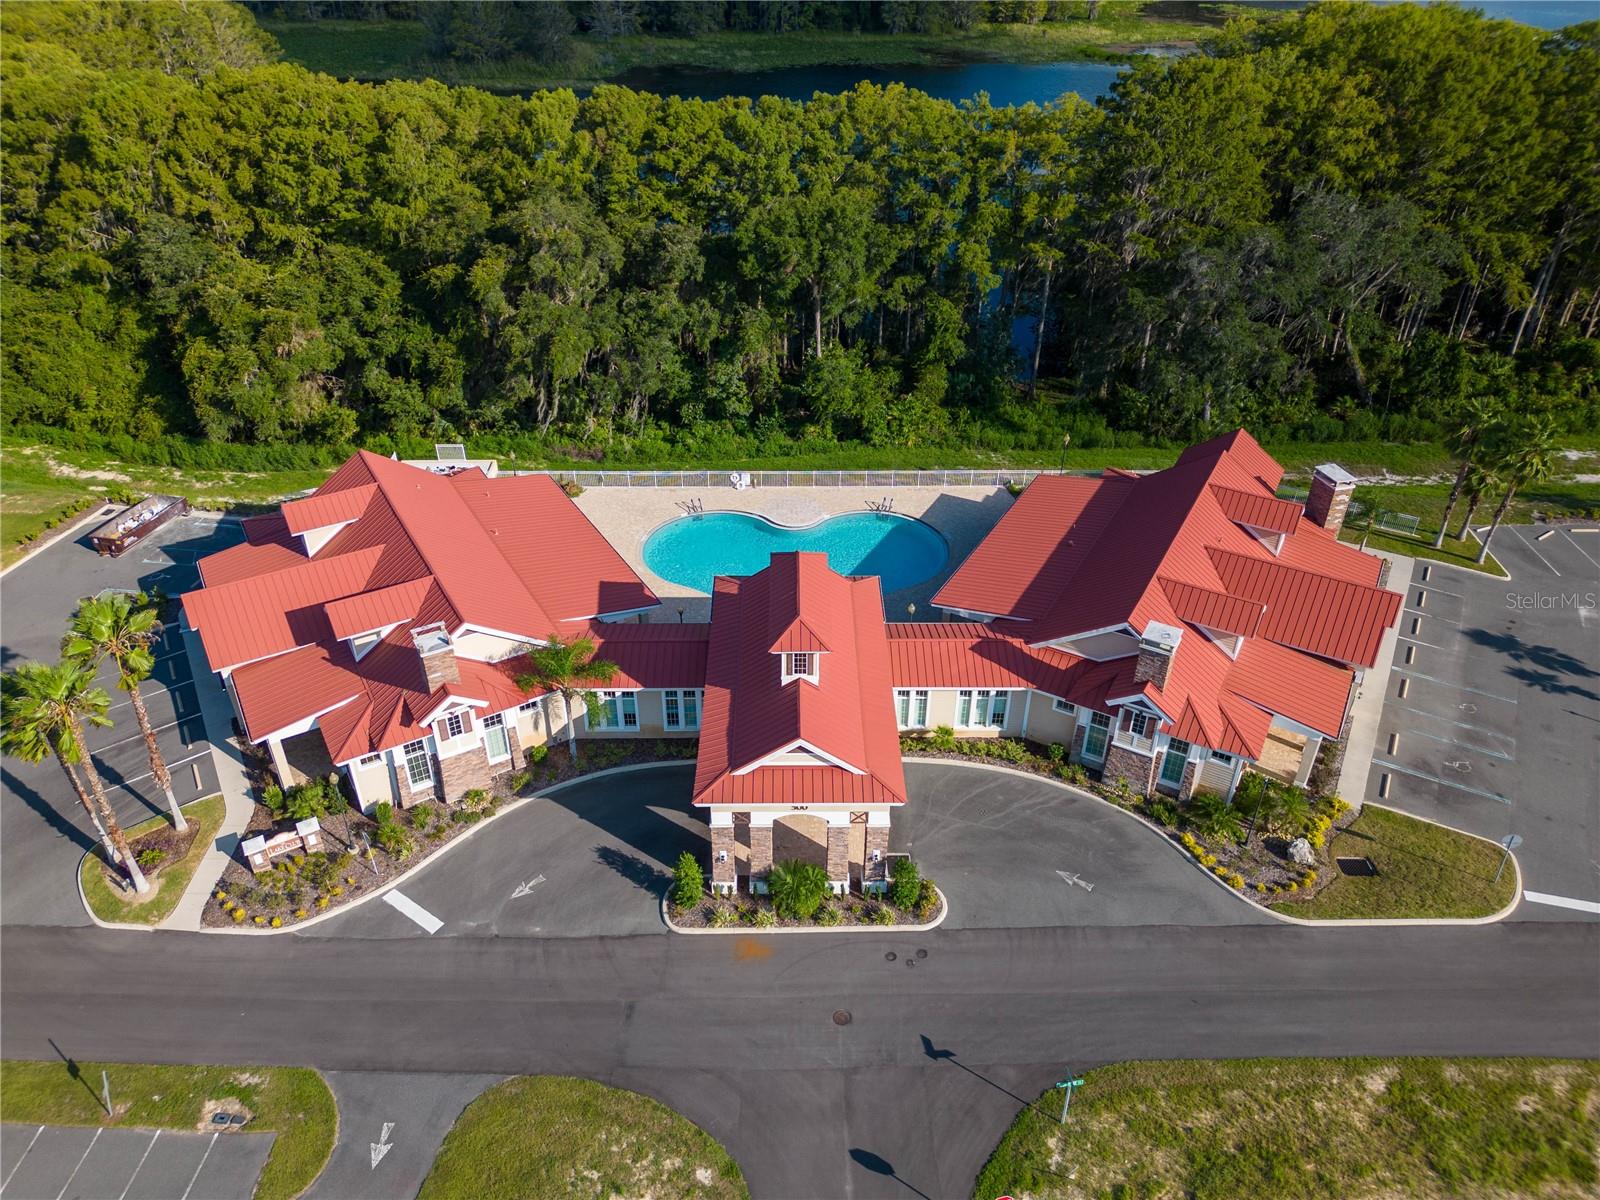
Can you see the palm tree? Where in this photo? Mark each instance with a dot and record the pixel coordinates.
(1466, 440)
(568, 669)
(119, 627)
(43, 711)
(1479, 480)
(1214, 817)
(1530, 456)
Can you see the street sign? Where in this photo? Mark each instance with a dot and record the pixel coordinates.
(1070, 1083)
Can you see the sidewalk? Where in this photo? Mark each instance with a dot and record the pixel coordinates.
(1367, 713)
(232, 781)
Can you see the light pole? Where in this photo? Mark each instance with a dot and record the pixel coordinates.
(1066, 440)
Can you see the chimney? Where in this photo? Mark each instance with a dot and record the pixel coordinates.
(438, 654)
(1156, 648)
(1329, 500)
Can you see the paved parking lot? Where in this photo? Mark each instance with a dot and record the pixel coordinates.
(43, 828)
(52, 1162)
(1491, 718)
(1013, 852)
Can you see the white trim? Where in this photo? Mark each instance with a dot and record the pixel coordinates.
(1119, 627)
(1221, 639)
(405, 766)
(1140, 701)
(786, 661)
(797, 744)
(450, 704)
(483, 732)
(468, 627)
(610, 617)
(229, 668)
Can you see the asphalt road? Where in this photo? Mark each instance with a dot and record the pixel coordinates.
(43, 828)
(1499, 729)
(737, 1032)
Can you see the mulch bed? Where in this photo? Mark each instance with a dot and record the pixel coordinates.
(853, 911)
(173, 844)
(349, 835)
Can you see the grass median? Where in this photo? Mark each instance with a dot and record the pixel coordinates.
(292, 1102)
(1303, 1129)
(550, 1137)
(169, 884)
(1423, 870)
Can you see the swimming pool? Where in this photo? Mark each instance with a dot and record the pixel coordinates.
(691, 551)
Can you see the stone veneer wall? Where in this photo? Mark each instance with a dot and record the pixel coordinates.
(838, 852)
(1137, 769)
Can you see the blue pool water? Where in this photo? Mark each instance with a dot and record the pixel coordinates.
(691, 551)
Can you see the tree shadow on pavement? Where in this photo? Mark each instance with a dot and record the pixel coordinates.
(879, 1165)
(633, 868)
(49, 813)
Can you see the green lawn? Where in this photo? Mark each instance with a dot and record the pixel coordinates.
(1424, 870)
(1310, 1129)
(292, 1102)
(168, 887)
(549, 1137)
(1456, 553)
(376, 50)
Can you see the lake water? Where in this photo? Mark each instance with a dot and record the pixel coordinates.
(1006, 83)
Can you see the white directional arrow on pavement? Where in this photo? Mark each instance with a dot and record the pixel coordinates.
(382, 1145)
(1071, 877)
(524, 888)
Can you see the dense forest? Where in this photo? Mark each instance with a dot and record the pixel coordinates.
(1340, 224)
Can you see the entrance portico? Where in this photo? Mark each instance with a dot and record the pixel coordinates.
(852, 844)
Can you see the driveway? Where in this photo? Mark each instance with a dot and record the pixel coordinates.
(43, 828)
(1498, 731)
(1006, 849)
(589, 861)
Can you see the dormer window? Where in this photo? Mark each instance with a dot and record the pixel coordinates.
(363, 642)
(800, 664)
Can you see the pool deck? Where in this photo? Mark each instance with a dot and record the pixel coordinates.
(627, 516)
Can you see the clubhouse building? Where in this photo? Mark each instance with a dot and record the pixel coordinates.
(1169, 629)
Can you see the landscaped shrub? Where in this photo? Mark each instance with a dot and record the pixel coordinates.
(1160, 810)
(763, 918)
(944, 738)
(1214, 817)
(882, 915)
(721, 917)
(797, 888)
(519, 781)
(150, 859)
(829, 915)
(313, 798)
(905, 883)
(688, 881)
(927, 899)
(537, 754)
(395, 841)
(1075, 774)
(1057, 752)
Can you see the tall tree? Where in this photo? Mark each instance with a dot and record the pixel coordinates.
(43, 711)
(568, 669)
(125, 629)
(1470, 432)
(1529, 457)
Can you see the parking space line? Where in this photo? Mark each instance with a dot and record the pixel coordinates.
(1460, 787)
(138, 737)
(18, 1163)
(1429, 616)
(123, 786)
(412, 909)
(200, 1168)
(81, 1161)
(140, 1165)
(1588, 906)
(1418, 641)
(1460, 687)
(1580, 549)
(1506, 737)
(1464, 745)
(1428, 587)
(1536, 553)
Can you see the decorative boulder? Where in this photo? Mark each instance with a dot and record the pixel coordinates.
(1300, 852)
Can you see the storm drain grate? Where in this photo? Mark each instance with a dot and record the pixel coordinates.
(1356, 866)
(841, 1017)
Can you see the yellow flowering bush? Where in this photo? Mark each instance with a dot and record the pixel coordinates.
(238, 914)
(277, 922)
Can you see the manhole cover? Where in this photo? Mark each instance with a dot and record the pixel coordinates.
(922, 954)
(841, 1017)
(890, 956)
(911, 962)
(1356, 866)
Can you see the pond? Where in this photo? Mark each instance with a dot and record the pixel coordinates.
(1006, 83)
(692, 551)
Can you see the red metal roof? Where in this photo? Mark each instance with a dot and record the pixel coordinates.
(511, 555)
(376, 609)
(1293, 685)
(278, 692)
(653, 656)
(322, 509)
(749, 715)
(1311, 612)
(1258, 509)
(1214, 609)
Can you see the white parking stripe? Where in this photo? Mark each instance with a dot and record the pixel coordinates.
(1429, 645)
(123, 786)
(1580, 549)
(1464, 745)
(1588, 906)
(79, 1167)
(1460, 787)
(412, 909)
(1536, 553)
(1428, 587)
(138, 737)
(140, 1167)
(18, 1163)
(201, 1167)
(1417, 612)
(1505, 737)
(1460, 687)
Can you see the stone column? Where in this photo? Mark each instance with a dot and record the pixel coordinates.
(839, 854)
(877, 840)
(1137, 769)
(760, 850)
(723, 865)
(1191, 772)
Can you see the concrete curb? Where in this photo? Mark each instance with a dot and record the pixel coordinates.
(42, 544)
(77, 877)
(750, 930)
(1516, 897)
(256, 931)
